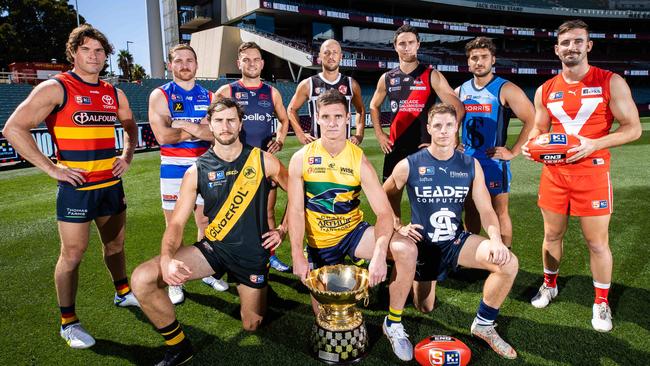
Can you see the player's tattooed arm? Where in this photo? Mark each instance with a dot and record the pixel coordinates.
(298, 99)
(360, 117)
(161, 122)
(375, 115)
(174, 271)
(542, 122)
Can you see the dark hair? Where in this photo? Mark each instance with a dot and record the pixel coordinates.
(571, 25)
(78, 37)
(441, 108)
(247, 46)
(179, 47)
(221, 103)
(332, 96)
(479, 43)
(406, 28)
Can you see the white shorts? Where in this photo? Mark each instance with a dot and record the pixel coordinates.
(169, 191)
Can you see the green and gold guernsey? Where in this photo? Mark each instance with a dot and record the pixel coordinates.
(332, 186)
(236, 195)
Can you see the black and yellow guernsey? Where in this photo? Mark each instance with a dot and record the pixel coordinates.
(236, 196)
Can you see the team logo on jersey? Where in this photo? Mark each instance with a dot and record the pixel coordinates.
(257, 278)
(343, 89)
(318, 90)
(241, 95)
(427, 170)
(314, 160)
(592, 91)
(107, 99)
(264, 103)
(80, 99)
(599, 204)
(264, 96)
(394, 81)
(556, 95)
(176, 97)
(335, 201)
(249, 172)
(393, 106)
(91, 118)
(178, 107)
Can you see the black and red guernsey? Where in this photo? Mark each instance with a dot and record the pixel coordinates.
(411, 96)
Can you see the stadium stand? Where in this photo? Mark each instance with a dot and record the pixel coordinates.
(11, 95)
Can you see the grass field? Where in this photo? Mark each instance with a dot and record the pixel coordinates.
(558, 335)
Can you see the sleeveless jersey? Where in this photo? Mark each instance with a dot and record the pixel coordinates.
(318, 85)
(485, 124)
(411, 96)
(581, 108)
(83, 129)
(259, 112)
(332, 188)
(437, 190)
(236, 196)
(189, 105)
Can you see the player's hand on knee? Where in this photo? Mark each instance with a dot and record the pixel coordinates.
(175, 272)
(499, 254)
(272, 238)
(412, 232)
(300, 267)
(377, 271)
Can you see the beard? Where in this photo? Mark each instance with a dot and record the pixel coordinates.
(409, 58)
(226, 141)
(251, 75)
(485, 72)
(184, 74)
(572, 61)
(330, 68)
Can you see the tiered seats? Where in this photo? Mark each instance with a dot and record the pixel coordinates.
(11, 95)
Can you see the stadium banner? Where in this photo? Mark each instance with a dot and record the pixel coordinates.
(146, 140)
(8, 156)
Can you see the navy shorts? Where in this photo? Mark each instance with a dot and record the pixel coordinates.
(497, 176)
(73, 205)
(336, 254)
(251, 271)
(435, 260)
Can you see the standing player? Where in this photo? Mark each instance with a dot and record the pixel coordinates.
(583, 101)
(80, 111)
(488, 101)
(260, 102)
(438, 180)
(176, 110)
(325, 180)
(411, 89)
(330, 77)
(234, 180)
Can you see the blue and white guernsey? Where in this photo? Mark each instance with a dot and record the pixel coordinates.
(191, 105)
(437, 190)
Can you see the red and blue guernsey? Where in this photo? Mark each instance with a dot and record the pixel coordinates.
(259, 112)
(190, 105)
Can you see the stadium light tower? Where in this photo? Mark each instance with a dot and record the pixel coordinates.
(76, 9)
(128, 65)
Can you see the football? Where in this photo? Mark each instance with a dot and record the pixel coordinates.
(441, 350)
(551, 148)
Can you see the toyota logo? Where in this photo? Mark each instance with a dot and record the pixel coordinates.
(107, 99)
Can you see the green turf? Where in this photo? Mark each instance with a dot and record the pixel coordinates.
(558, 335)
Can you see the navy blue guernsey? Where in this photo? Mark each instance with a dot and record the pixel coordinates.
(485, 124)
(259, 113)
(437, 190)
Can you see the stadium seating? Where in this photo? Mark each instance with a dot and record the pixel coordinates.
(10, 96)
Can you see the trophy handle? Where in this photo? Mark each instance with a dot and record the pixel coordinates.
(366, 298)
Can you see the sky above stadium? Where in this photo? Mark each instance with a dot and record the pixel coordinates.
(121, 21)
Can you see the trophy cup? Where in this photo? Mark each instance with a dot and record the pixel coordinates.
(339, 334)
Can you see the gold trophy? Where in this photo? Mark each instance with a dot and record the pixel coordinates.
(339, 335)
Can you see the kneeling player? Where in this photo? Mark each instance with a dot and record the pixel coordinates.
(325, 180)
(438, 180)
(234, 180)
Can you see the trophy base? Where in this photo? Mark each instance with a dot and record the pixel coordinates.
(341, 347)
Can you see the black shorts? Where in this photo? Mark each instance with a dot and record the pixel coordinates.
(74, 205)
(435, 260)
(252, 272)
(392, 158)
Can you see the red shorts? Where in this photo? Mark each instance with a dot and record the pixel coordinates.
(576, 195)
